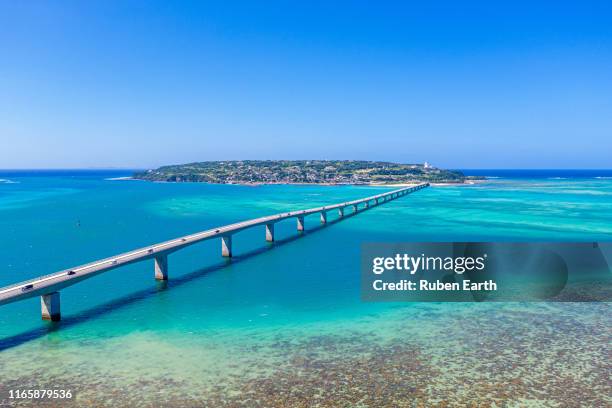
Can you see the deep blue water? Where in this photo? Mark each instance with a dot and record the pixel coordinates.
(540, 173)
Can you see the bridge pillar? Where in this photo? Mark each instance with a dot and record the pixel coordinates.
(340, 212)
(226, 246)
(323, 217)
(270, 232)
(355, 208)
(366, 204)
(50, 306)
(161, 267)
(300, 223)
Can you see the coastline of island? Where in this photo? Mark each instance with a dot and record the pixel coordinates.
(306, 172)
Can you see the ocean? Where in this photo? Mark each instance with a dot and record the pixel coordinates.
(282, 324)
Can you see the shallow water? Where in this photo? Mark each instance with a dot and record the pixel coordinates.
(283, 324)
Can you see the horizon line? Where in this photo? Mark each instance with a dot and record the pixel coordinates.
(147, 168)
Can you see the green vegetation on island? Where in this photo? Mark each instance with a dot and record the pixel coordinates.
(302, 172)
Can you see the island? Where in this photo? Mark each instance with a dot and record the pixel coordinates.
(302, 172)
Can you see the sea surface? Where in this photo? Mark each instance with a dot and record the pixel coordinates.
(282, 324)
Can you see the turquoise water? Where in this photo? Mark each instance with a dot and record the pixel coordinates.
(282, 324)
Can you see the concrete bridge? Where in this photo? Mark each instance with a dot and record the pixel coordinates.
(48, 286)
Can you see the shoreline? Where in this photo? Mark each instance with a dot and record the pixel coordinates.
(257, 184)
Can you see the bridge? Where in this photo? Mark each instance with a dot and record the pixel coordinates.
(48, 286)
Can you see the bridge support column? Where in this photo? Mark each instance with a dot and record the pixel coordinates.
(323, 217)
(270, 232)
(355, 208)
(341, 212)
(50, 306)
(300, 223)
(226, 246)
(161, 267)
(366, 204)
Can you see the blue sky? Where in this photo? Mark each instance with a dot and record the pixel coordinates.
(474, 84)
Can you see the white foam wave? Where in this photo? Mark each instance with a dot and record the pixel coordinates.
(119, 178)
(7, 181)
